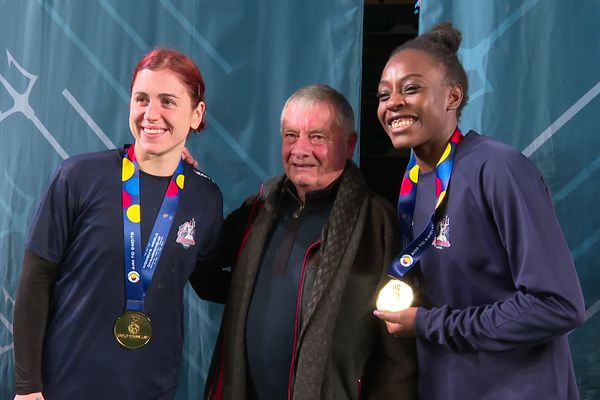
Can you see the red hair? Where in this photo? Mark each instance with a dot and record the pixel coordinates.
(186, 70)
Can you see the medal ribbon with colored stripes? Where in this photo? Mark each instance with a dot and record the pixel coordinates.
(137, 275)
(406, 206)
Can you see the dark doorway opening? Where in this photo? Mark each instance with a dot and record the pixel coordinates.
(387, 25)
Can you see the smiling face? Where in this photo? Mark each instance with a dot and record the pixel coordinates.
(161, 114)
(417, 107)
(314, 148)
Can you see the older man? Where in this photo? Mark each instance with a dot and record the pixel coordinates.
(313, 245)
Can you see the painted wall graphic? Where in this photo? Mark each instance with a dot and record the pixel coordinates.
(534, 71)
(65, 70)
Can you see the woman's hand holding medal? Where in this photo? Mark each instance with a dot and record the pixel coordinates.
(399, 323)
(393, 306)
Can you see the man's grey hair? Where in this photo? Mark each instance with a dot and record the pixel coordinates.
(308, 96)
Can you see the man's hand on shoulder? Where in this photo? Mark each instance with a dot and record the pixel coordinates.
(188, 158)
(30, 396)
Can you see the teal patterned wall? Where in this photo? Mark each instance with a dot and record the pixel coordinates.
(65, 70)
(534, 70)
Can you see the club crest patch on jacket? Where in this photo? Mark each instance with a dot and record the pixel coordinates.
(442, 230)
(185, 233)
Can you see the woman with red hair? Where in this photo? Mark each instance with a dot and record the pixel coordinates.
(95, 316)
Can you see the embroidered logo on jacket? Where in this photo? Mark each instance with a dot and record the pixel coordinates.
(441, 233)
(185, 233)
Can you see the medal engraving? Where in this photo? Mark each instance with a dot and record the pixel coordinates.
(394, 296)
(133, 329)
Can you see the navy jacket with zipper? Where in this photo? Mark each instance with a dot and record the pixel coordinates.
(341, 350)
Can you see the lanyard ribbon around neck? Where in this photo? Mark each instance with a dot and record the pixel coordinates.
(406, 207)
(138, 275)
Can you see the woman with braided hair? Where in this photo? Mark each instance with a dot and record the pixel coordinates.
(497, 288)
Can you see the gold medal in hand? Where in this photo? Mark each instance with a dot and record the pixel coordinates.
(394, 296)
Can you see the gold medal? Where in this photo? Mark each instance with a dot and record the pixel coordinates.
(133, 329)
(394, 296)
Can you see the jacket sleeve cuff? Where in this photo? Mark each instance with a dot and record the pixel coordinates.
(421, 321)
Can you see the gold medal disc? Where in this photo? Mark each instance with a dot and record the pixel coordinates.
(133, 329)
(394, 296)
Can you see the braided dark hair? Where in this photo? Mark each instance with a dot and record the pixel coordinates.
(442, 43)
